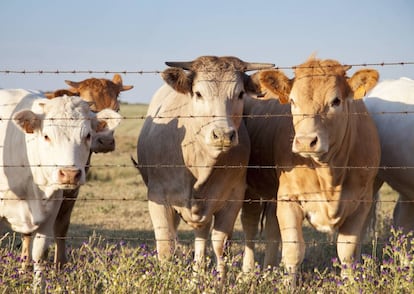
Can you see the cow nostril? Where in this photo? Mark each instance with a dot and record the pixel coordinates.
(314, 141)
(69, 176)
(78, 175)
(215, 135)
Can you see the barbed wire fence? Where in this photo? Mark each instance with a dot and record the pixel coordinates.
(263, 116)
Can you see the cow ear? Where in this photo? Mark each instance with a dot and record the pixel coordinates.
(106, 120)
(252, 85)
(126, 87)
(275, 83)
(27, 121)
(117, 80)
(59, 93)
(49, 95)
(74, 85)
(362, 81)
(178, 79)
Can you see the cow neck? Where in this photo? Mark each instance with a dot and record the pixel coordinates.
(196, 157)
(332, 174)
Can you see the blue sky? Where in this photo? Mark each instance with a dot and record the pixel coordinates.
(142, 35)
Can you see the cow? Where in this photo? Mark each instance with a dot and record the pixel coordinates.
(100, 94)
(390, 104)
(193, 150)
(45, 147)
(325, 153)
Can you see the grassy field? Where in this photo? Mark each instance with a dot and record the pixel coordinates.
(111, 217)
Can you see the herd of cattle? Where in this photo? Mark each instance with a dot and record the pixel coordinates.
(217, 141)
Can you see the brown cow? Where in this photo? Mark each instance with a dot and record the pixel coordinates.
(101, 93)
(326, 157)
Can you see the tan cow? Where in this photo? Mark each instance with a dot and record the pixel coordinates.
(192, 131)
(102, 94)
(325, 148)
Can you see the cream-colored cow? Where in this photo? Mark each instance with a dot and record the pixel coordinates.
(325, 150)
(193, 130)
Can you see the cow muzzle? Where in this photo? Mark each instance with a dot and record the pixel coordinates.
(69, 177)
(103, 144)
(223, 138)
(309, 145)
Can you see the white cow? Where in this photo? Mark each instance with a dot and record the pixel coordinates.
(45, 147)
(391, 105)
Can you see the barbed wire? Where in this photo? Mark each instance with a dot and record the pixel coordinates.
(249, 116)
(159, 165)
(142, 72)
(297, 198)
(192, 241)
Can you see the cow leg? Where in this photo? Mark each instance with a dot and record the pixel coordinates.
(222, 230)
(272, 236)
(403, 219)
(62, 226)
(349, 237)
(41, 242)
(372, 218)
(201, 235)
(26, 256)
(404, 214)
(163, 220)
(290, 217)
(250, 218)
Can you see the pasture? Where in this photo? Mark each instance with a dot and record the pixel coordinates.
(111, 244)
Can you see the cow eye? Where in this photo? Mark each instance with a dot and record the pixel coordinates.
(198, 95)
(336, 102)
(47, 139)
(88, 137)
(241, 95)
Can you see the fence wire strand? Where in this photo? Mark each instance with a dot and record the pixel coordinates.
(142, 72)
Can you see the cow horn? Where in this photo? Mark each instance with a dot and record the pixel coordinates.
(257, 66)
(181, 64)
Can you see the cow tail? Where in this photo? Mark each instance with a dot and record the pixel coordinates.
(262, 217)
(134, 162)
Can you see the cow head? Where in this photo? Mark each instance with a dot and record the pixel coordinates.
(321, 96)
(58, 139)
(101, 93)
(216, 87)
(104, 124)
